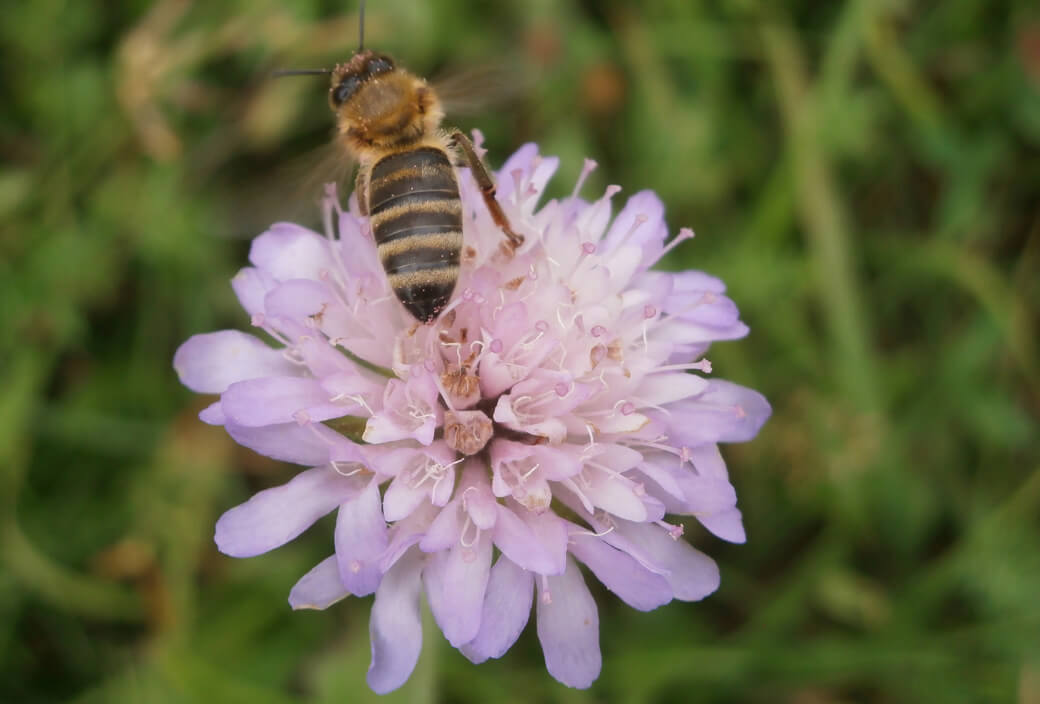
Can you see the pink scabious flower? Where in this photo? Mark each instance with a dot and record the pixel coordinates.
(552, 415)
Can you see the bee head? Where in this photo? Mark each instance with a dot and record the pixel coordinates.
(348, 78)
(378, 104)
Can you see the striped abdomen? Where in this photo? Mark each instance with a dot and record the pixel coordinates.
(416, 215)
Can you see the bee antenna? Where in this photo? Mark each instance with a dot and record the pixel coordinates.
(361, 27)
(281, 73)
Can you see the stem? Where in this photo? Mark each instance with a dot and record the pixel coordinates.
(825, 221)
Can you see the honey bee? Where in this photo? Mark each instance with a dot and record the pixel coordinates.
(389, 120)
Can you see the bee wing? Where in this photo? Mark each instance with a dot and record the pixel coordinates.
(293, 190)
(470, 90)
(328, 164)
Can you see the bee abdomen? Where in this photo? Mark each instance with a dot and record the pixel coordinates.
(416, 218)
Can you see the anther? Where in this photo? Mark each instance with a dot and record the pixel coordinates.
(597, 354)
(684, 234)
(587, 169)
(674, 531)
(467, 432)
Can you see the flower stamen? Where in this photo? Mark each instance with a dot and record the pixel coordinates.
(357, 468)
(462, 535)
(674, 531)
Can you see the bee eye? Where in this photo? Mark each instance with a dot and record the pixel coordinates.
(379, 64)
(346, 89)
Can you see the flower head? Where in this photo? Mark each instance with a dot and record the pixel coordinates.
(553, 415)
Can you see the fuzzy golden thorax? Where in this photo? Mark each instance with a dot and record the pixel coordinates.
(379, 106)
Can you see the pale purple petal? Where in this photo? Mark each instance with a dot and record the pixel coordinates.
(455, 580)
(361, 540)
(213, 414)
(287, 442)
(616, 495)
(410, 410)
(516, 539)
(621, 423)
(406, 533)
(661, 468)
(441, 491)
(668, 502)
(507, 607)
(659, 389)
(475, 495)
(641, 223)
(685, 282)
(288, 251)
(727, 525)
(522, 161)
(690, 332)
(551, 533)
(592, 221)
(277, 399)
(251, 286)
(706, 495)
(320, 588)
(402, 498)
(212, 362)
(361, 263)
(298, 299)
(725, 412)
(692, 575)
(277, 515)
(568, 628)
(395, 628)
(444, 530)
(708, 462)
(714, 311)
(620, 573)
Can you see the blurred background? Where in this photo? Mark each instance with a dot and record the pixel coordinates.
(865, 176)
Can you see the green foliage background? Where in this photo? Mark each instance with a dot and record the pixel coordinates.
(865, 175)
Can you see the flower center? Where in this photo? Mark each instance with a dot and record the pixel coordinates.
(467, 431)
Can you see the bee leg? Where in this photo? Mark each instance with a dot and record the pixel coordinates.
(487, 190)
(361, 189)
